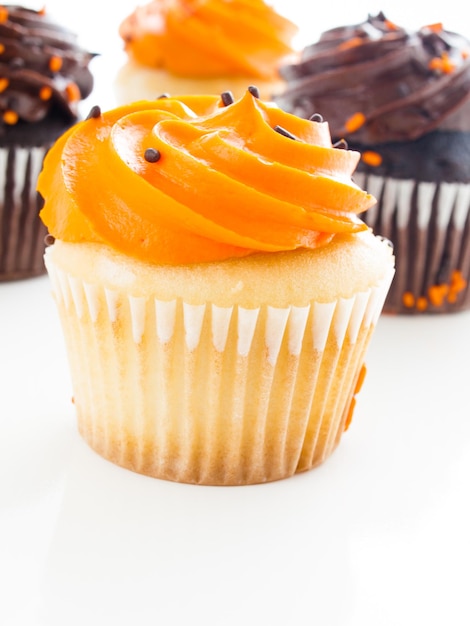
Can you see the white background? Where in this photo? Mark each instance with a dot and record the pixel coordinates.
(377, 536)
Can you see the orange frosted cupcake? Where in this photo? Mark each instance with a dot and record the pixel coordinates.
(203, 46)
(216, 289)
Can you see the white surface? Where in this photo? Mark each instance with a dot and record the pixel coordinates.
(377, 536)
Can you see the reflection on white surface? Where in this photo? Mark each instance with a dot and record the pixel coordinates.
(377, 536)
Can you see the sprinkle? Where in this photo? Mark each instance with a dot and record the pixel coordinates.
(10, 117)
(95, 113)
(390, 25)
(316, 117)
(350, 43)
(152, 155)
(442, 64)
(4, 82)
(2, 48)
(360, 379)
(374, 159)
(457, 284)
(408, 300)
(3, 15)
(42, 11)
(55, 63)
(341, 144)
(436, 28)
(421, 303)
(163, 95)
(72, 92)
(355, 122)
(465, 53)
(227, 98)
(349, 416)
(284, 132)
(437, 294)
(45, 93)
(254, 91)
(49, 239)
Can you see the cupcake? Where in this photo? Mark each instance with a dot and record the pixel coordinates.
(217, 290)
(402, 99)
(208, 46)
(43, 75)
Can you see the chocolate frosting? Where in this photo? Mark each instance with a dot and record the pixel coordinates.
(43, 71)
(402, 84)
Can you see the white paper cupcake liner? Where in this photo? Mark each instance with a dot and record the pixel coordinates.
(208, 394)
(429, 226)
(21, 231)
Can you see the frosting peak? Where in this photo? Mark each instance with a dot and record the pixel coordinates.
(200, 178)
(207, 38)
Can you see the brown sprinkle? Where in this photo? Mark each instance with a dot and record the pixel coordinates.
(342, 144)
(227, 98)
(282, 131)
(152, 155)
(49, 239)
(254, 91)
(163, 95)
(95, 113)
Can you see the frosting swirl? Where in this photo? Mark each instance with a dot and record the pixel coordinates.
(209, 38)
(378, 82)
(200, 178)
(43, 71)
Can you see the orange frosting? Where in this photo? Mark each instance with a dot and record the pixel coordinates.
(226, 182)
(203, 38)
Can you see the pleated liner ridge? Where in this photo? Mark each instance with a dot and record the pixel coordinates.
(429, 225)
(211, 395)
(21, 231)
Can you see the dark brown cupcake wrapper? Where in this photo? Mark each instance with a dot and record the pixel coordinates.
(21, 230)
(429, 226)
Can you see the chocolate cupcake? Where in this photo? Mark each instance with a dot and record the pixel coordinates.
(43, 76)
(402, 99)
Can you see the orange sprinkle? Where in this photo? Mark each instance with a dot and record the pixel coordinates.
(72, 92)
(442, 64)
(437, 294)
(457, 284)
(349, 416)
(55, 63)
(351, 43)
(45, 93)
(42, 11)
(372, 158)
(421, 303)
(465, 53)
(4, 82)
(10, 117)
(360, 379)
(408, 300)
(2, 48)
(3, 15)
(436, 28)
(390, 25)
(355, 122)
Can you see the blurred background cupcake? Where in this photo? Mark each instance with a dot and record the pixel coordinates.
(43, 76)
(209, 46)
(401, 98)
